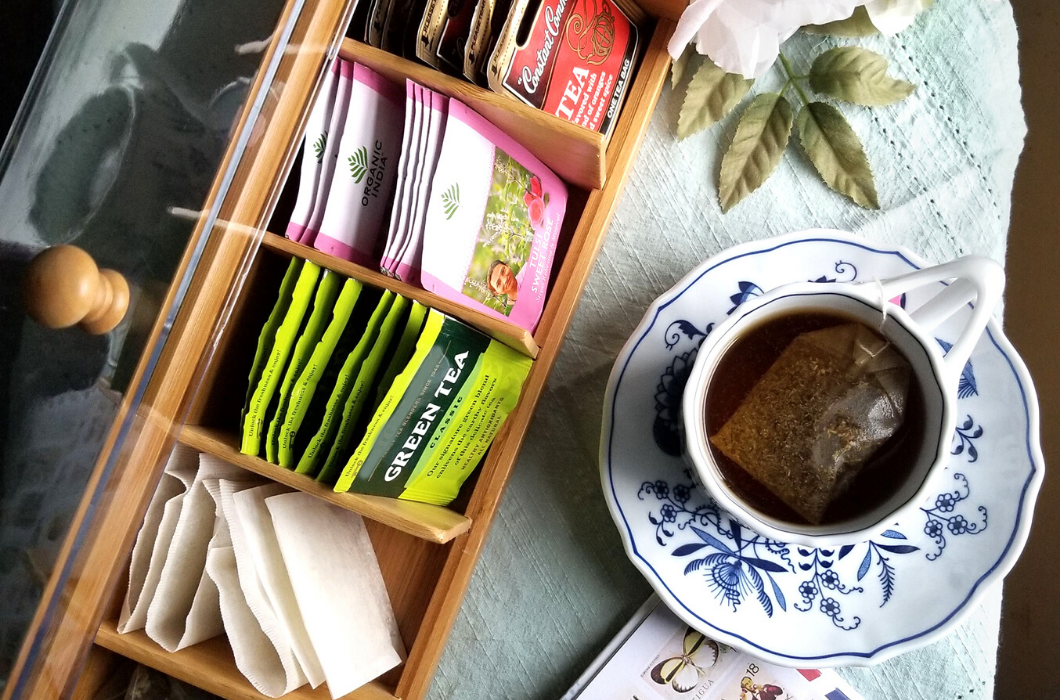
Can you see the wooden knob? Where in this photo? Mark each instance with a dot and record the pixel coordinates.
(62, 286)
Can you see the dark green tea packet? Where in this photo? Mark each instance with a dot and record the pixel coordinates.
(469, 426)
(268, 332)
(286, 335)
(312, 331)
(439, 416)
(351, 425)
(419, 400)
(315, 371)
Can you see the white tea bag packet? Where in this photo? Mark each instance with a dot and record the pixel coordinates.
(261, 649)
(155, 535)
(418, 143)
(403, 184)
(339, 588)
(259, 539)
(436, 105)
(313, 147)
(185, 608)
(329, 159)
(363, 186)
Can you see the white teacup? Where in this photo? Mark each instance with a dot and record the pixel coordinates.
(937, 375)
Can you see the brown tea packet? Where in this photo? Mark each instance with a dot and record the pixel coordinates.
(429, 34)
(820, 412)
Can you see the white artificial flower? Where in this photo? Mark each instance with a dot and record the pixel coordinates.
(892, 16)
(744, 36)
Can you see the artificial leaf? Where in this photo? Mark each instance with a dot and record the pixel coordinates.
(834, 149)
(857, 75)
(677, 70)
(856, 25)
(712, 93)
(760, 140)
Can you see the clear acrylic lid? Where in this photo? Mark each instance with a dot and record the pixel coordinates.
(155, 137)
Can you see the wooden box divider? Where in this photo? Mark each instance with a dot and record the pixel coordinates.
(508, 333)
(575, 153)
(429, 522)
(210, 665)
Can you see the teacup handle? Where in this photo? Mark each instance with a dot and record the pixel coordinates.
(975, 278)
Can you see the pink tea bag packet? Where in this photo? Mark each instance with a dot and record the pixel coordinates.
(418, 142)
(366, 171)
(493, 220)
(402, 188)
(408, 264)
(336, 123)
(314, 145)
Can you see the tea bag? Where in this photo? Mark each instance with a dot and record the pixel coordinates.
(339, 589)
(816, 417)
(152, 542)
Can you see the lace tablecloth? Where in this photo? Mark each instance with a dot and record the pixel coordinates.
(553, 584)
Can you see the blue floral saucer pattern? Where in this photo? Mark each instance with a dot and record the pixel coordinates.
(793, 605)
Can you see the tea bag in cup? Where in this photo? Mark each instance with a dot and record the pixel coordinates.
(817, 416)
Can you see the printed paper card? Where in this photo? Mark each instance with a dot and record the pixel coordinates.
(658, 657)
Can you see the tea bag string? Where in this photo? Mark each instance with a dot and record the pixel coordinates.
(883, 304)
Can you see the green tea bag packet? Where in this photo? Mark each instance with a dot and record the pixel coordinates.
(268, 332)
(361, 382)
(285, 337)
(468, 429)
(403, 349)
(302, 393)
(430, 467)
(312, 330)
(325, 412)
(321, 419)
(419, 397)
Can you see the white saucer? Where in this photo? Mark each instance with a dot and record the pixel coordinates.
(797, 606)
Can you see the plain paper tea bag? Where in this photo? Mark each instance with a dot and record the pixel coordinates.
(260, 645)
(818, 414)
(260, 540)
(339, 588)
(185, 609)
(155, 535)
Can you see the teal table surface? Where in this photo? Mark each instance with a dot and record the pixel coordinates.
(553, 584)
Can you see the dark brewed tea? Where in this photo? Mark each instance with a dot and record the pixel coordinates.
(814, 418)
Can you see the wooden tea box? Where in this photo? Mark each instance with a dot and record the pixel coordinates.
(194, 380)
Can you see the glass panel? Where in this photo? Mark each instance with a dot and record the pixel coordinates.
(120, 134)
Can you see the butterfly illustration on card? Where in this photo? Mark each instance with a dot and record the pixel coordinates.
(684, 671)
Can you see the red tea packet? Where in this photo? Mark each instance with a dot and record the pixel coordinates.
(576, 62)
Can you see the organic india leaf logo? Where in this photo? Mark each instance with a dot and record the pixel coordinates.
(319, 145)
(359, 164)
(451, 200)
